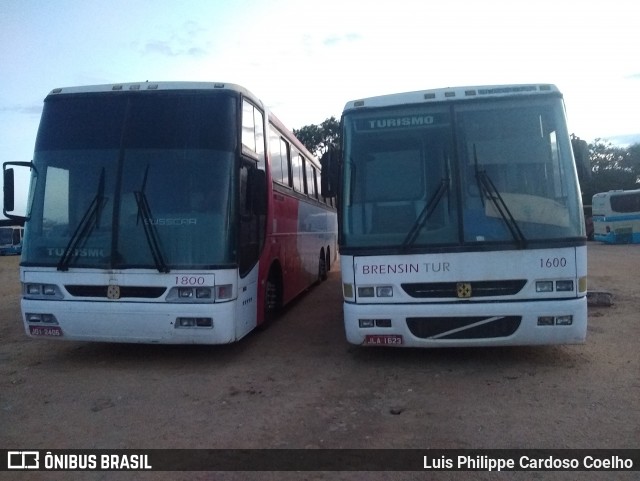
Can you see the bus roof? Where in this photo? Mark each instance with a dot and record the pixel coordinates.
(613, 193)
(155, 86)
(165, 86)
(452, 93)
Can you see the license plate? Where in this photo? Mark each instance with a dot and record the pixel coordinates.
(383, 340)
(46, 331)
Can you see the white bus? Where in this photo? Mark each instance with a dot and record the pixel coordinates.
(460, 219)
(616, 216)
(167, 213)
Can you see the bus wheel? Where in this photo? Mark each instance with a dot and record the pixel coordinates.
(328, 259)
(322, 268)
(272, 298)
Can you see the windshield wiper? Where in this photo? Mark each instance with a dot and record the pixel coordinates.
(489, 190)
(90, 220)
(150, 230)
(426, 213)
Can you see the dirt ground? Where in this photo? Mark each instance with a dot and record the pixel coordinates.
(299, 384)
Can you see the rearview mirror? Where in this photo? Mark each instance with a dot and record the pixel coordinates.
(330, 162)
(9, 190)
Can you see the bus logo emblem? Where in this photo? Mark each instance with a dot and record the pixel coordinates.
(113, 292)
(463, 289)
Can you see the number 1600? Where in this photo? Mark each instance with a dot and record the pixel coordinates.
(550, 262)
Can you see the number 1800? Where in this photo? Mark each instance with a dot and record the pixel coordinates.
(190, 280)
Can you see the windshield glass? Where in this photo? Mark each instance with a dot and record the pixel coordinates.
(123, 179)
(501, 173)
(398, 173)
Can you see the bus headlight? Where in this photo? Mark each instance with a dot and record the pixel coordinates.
(41, 291)
(201, 294)
(33, 318)
(365, 292)
(185, 292)
(544, 286)
(32, 289)
(366, 323)
(564, 320)
(193, 322)
(555, 320)
(564, 286)
(384, 291)
(375, 291)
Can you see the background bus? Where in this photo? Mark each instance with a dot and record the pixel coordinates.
(616, 216)
(11, 240)
(167, 213)
(460, 219)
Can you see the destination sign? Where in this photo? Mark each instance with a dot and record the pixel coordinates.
(402, 122)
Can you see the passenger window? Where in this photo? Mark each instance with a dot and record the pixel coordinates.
(311, 180)
(279, 158)
(297, 171)
(253, 132)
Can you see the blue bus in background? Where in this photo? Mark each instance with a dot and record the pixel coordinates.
(11, 240)
(616, 216)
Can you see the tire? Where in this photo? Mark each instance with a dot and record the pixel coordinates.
(272, 298)
(322, 268)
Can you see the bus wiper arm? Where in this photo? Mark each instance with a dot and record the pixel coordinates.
(489, 190)
(426, 213)
(150, 230)
(90, 220)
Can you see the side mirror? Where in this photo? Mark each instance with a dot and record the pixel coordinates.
(9, 192)
(581, 155)
(257, 191)
(330, 162)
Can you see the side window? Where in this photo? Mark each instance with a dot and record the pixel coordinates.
(275, 156)
(248, 127)
(259, 126)
(279, 157)
(625, 203)
(253, 132)
(284, 155)
(311, 180)
(296, 171)
(318, 184)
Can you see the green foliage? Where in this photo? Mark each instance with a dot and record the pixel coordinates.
(318, 138)
(612, 168)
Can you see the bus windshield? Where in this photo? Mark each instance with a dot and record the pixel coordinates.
(446, 175)
(134, 181)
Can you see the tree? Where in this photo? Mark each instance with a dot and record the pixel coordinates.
(612, 168)
(318, 138)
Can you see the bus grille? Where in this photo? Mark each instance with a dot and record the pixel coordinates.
(507, 287)
(143, 292)
(463, 327)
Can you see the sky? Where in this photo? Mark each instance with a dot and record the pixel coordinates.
(306, 59)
